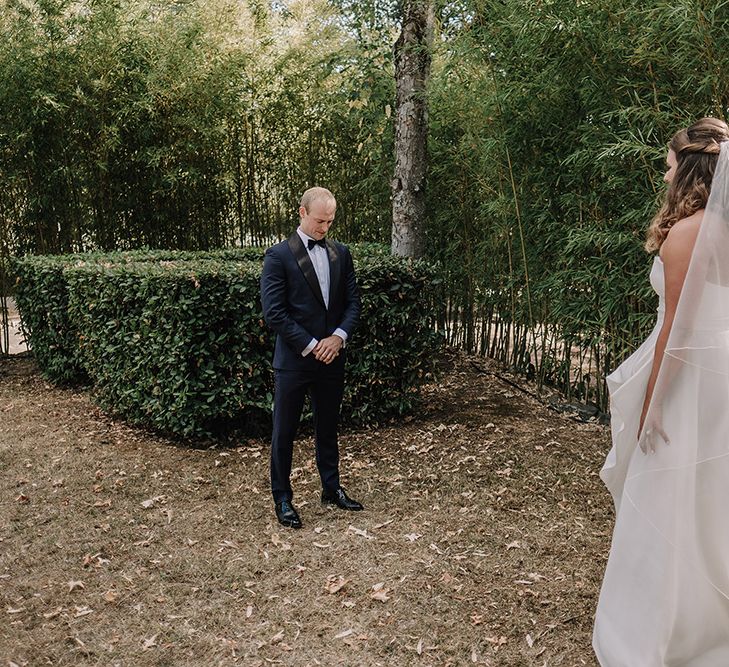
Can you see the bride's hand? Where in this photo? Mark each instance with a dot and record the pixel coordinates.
(650, 430)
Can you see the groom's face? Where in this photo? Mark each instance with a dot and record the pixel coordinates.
(319, 218)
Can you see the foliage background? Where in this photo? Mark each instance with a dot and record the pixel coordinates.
(196, 125)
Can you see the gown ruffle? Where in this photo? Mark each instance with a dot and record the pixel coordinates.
(627, 385)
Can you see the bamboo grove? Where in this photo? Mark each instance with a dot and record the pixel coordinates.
(195, 124)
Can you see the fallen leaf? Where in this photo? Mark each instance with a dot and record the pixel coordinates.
(360, 532)
(96, 560)
(15, 611)
(344, 633)
(53, 614)
(111, 596)
(322, 546)
(277, 637)
(335, 583)
(419, 647)
(278, 542)
(151, 502)
(513, 545)
(150, 643)
(83, 611)
(413, 536)
(73, 585)
(379, 592)
(496, 640)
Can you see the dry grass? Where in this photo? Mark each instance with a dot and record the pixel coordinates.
(483, 542)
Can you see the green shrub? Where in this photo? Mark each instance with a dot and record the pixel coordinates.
(393, 348)
(41, 294)
(42, 298)
(176, 341)
(179, 346)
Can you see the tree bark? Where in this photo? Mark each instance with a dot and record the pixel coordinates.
(412, 68)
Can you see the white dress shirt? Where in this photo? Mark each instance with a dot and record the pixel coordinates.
(320, 260)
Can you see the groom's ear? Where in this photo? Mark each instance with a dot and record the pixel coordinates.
(302, 211)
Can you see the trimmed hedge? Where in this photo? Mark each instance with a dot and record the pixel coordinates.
(42, 297)
(395, 344)
(176, 341)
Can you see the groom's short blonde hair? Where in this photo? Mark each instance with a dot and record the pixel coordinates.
(314, 194)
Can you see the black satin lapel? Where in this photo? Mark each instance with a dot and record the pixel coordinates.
(335, 268)
(304, 262)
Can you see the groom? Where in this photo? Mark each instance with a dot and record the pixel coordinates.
(310, 299)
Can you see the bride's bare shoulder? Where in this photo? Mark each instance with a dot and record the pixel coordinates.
(686, 228)
(681, 237)
(688, 225)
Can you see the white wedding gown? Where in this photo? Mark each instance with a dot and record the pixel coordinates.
(664, 598)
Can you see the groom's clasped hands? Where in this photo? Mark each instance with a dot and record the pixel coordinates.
(327, 349)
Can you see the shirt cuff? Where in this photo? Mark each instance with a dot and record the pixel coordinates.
(309, 347)
(342, 334)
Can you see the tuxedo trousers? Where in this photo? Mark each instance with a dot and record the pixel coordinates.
(325, 386)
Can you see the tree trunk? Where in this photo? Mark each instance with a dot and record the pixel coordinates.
(412, 68)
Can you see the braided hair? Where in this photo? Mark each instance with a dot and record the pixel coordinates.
(697, 149)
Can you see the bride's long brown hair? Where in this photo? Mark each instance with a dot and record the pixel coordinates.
(697, 150)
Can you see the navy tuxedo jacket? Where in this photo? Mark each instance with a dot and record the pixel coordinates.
(293, 305)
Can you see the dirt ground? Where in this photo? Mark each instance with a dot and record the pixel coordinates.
(483, 541)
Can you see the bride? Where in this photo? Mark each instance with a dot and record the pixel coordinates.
(664, 600)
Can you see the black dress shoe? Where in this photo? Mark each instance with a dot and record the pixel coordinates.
(341, 500)
(287, 515)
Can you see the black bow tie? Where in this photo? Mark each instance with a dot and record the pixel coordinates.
(311, 243)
